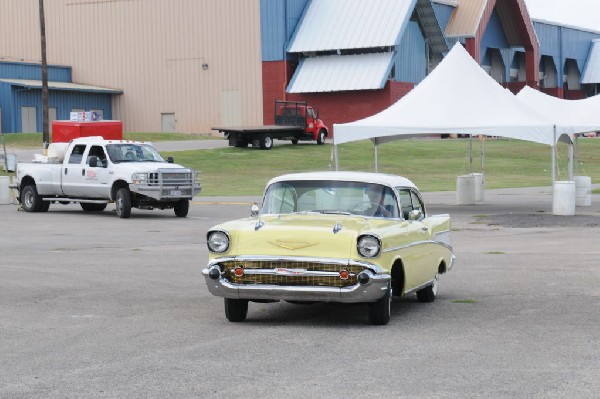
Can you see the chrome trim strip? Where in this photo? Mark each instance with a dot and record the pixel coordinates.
(417, 243)
(419, 287)
(327, 261)
(292, 272)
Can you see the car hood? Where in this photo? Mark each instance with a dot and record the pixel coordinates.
(140, 167)
(321, 236)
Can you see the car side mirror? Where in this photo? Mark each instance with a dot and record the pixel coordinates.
(254, 210)
(93, 162)
(415, 214)
(170, 160)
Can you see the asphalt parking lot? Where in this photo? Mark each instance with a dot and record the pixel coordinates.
(96, 306)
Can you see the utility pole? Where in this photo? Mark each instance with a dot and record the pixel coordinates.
(45, 128)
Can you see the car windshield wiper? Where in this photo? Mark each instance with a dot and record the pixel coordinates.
(335, 213)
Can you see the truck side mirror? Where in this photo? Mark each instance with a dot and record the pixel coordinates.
(93, 162)
(170, 160)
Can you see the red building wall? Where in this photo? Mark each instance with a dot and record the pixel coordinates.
(333, 107)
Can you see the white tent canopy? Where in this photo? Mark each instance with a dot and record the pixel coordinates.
(457, 97)
(578, 116)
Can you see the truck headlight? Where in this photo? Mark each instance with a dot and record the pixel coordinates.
(139, 178)
(217, 241)
(368, 246)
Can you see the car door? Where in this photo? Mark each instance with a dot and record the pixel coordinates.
(419, 267)
(96, 179)
(73, 171)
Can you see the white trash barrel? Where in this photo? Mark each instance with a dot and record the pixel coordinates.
(11, 162)
(583, 190)
(563, 198)
(465, 190)
(4, 190)
(479, 186)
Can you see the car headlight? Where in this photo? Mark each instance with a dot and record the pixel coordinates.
(139, 178)
(368, 246)
(217, 241)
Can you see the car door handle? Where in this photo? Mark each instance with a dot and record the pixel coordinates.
(82, 172)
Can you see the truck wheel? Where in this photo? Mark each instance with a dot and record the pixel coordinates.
(321, 137)
(236, 309)
(181, 208)
(93, 207)
(123, 202)
(267, 142)
(295, 141)
(240, 143)
(30, 200)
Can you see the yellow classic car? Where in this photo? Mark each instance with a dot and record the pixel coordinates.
(331, 236)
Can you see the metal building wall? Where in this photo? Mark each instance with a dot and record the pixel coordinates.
(153, 50)
(23, 70)
(410, 61)
(278, 20)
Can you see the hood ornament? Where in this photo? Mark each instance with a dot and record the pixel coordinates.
(337, 228)
(259, 224)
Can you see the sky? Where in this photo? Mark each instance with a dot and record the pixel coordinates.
(580, 13)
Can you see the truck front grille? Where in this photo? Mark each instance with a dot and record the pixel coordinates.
(173, 183)
(274, 273)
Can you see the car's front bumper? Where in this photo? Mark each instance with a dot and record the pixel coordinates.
(371, 291)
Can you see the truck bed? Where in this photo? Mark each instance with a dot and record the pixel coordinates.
(259, 129)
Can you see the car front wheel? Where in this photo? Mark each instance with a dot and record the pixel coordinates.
(236, 309)
(380, 311)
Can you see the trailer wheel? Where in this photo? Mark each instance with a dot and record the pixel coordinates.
(267, 142)
(321, 137)
(123, 202)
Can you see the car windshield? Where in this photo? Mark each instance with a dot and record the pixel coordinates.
(333, 197)
(133, 152)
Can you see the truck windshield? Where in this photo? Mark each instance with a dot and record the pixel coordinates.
(327, 196)
(133, 152)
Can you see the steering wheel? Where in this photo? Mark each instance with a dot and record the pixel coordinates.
(369, 205)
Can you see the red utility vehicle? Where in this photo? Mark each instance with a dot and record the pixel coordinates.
(294, 121)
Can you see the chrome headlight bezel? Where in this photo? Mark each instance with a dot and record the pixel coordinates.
(368, 246)
(139, 177)
(218, 241)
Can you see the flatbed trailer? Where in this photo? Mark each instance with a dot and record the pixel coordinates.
(294, 121)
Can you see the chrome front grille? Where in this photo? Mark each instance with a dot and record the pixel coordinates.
(167, 178)
(290, 273)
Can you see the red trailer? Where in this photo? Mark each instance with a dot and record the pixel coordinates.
(65, 131)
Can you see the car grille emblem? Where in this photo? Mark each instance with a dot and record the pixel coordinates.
(292, 245)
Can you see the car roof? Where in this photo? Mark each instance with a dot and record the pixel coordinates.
(367, 177)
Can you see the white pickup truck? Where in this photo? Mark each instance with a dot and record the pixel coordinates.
(93, 172)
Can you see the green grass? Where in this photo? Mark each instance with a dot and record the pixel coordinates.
(464, 301)
(432, 164)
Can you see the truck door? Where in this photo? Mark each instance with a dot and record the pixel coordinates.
(310, 122)
(73, 171)
(96, 179)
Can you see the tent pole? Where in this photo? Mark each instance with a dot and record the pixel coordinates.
(554, 156)
(483, 155)
(571, 161)
(470, 154)
(576, 157)
(376, 155)
(335, 157)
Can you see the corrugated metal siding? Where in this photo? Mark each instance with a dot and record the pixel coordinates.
(592, 67)
(278, 20)
(351, 24)
(549, 37)
(19, 70)
(153, 50)
(62, 101)
(494, 34)
(341, 73)
(410, 61)
(443, 12)
(466, 18)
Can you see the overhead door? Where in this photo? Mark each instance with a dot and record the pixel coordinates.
(28, 119)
